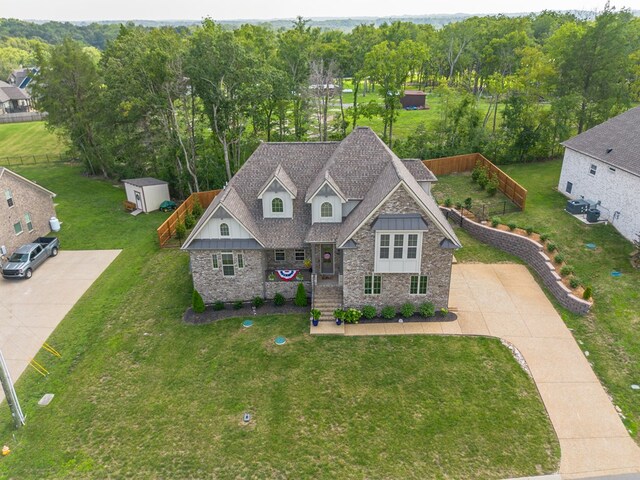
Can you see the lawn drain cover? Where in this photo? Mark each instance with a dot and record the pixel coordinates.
(591, 246)
(247, 323)
(246, 417)
(616, 274)
(280, 340)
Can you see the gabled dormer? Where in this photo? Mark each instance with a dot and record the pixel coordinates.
(277, 195)
(326, 202)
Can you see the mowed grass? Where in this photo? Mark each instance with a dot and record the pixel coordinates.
(610, 332)
(139, 394)
(28, 138)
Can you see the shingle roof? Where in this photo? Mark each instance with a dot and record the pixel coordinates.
(144, 182)
(10, 92)
(4, 170)
(419, 171)
(281, 175)
(616, 141)
(359, 167)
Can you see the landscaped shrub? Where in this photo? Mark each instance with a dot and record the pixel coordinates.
(529, 230)
(369, 311)
(551, 247)
(237, 305)
(467, 203)
(574, 282)
(197, 304)
(407, 310)
(566, 270)
(512, 226)
(258, 302)
(483, 178)
(587, 293)
(181, 231)
(448, 202)
(559, 258)
(427, 309)
(278, 300)
(492, 186)
(459, 205)
(544, 237)
(388, 312)
(196, 209)
(301, 296)
(339, 314)
(495, 222)
(189, 221)
(218, 305)
(475, 173)
(352, 315)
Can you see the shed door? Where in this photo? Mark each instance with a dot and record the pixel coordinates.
(138, 200)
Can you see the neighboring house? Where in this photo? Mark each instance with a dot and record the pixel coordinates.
(603, 165)
(147, 193)
(25, 210)
(22, 77)
(13, 99)
(359, 215)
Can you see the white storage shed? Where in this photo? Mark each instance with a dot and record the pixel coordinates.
(147, 193)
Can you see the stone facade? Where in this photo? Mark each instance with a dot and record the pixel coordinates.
(248, 282)
(213, 285)
(528, 250)
(358, 262)
(616, 189)
(27, 199)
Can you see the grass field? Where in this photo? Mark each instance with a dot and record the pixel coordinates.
(140, 394)
(29, 138)
(610, 331)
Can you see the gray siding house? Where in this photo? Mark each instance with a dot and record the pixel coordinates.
(350, 220)
(602, 164)
(25, 210)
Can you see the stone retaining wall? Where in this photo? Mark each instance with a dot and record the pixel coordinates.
(529, 251)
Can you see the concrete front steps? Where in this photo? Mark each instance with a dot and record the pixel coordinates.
(327, 299)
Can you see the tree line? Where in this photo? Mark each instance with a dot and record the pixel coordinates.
(191, 105)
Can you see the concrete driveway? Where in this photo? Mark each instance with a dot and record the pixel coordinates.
(505, 301)
(30, 310)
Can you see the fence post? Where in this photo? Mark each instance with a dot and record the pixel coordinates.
(461, 215)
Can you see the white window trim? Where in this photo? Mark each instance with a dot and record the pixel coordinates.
(330, 210)
(373, 290)
(239, 256)
(380, 262)
(228, 234)
(233, 264)
(275, 255)
(419, 275)
(295, 255)
(28, 222)
(273, 212)
(8, 195)
(21, 229)
(215, 263)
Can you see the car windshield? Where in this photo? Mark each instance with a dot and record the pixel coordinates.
(19, 257)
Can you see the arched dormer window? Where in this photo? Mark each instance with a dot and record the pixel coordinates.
(326, 210)
(224, 230)
(277, 205)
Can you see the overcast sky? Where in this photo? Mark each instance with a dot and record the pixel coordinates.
(268, 9)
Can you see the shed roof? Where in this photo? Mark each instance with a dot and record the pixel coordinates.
(616, 141)
(144, 181)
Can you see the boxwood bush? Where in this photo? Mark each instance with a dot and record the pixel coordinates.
(407, 310)
(388, 312)
(278, 300)
(369, 311)
(218, 305)
(427, 309)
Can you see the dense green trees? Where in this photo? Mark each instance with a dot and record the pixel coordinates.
(191, 105)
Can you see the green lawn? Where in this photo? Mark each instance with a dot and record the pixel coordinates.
(140, 394)
(29, 138)
(610, 331)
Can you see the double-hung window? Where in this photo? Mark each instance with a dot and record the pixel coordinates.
(299, 255)
(9, 197)
(27, 220)
(592, 169)
(418, 285)
(240, 260)
(214, 261)
(372, 284)
(17, 227)
(279, 255)
(228, 269)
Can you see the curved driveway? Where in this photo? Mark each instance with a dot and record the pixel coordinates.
(505, 301)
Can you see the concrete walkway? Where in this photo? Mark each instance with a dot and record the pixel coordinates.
(505, 301)
(30, 310)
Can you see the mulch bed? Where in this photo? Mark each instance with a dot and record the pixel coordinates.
(449, 317)
(210, 315)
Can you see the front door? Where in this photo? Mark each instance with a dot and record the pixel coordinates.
(138, 200)
(326, 259)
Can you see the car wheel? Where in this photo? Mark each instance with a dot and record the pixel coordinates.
(28, 273)
(54, 251)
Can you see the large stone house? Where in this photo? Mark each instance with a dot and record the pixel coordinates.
(602, 165)
(346, 217)
(25, 210)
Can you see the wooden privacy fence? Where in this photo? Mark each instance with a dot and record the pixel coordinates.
(168, 229)
(465, 163)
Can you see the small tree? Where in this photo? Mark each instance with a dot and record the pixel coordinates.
(196, 209)
(189, 221)
(197, 304)
(181, 231)
(301, 296)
